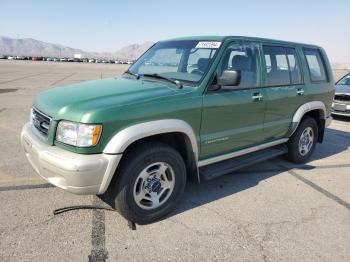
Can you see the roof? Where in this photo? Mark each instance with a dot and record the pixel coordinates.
(226, 38)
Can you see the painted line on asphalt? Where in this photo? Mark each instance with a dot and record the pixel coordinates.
(320, 189)
(8, 90)
(98, 235)
(20, 78)
(64, 78)
(25, 187)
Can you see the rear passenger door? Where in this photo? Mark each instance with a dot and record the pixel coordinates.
(284, 89)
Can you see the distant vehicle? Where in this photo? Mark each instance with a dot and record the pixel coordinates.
(49, 59)
(70, 59)
(129, 62)
(3, 57)
(341, 102)
(91, 61)
(63, 59)
(97, 61)
(37, 58)
(55, 59)
(117, 62)
(104, 61)
(85, 60)
(11, 58)
(19, 57)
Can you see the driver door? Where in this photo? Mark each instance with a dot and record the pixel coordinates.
(233, 117)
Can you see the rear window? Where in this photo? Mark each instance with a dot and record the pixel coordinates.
(316, 65)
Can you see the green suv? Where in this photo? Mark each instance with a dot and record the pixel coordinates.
(188, 108)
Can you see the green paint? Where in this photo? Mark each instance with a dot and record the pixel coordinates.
(223, 121)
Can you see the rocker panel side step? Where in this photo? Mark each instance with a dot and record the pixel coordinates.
(230, 165)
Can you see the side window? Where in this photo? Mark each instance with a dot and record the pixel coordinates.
(242, 58)
(294, 67)
(277, 71)
(316, 66)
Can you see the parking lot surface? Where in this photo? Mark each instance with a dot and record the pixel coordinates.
(273, 211)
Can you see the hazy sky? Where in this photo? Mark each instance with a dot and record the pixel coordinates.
(108, 25)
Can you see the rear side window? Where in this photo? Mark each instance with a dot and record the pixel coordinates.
(282, 66)
(294, 68)
(315, 64)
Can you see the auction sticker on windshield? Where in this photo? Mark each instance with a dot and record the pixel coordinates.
(208, 45)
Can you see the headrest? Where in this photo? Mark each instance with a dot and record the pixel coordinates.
(203, 64)
(241, 62)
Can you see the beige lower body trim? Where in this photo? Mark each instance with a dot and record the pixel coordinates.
(242, 152)
(76, 173)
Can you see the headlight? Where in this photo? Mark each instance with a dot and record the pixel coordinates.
(76, 134)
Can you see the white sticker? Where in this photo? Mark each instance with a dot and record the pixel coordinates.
(208, 45)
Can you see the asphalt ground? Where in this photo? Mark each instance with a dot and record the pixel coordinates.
(273, 211)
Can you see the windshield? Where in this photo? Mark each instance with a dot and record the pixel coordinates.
(344, 81)
(185, 61)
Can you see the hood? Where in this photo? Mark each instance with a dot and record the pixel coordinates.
(72, 102)
(342, 89)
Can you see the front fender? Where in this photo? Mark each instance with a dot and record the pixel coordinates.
(120, 141)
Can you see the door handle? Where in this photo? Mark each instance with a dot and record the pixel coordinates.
(257, 97)
(300, 91)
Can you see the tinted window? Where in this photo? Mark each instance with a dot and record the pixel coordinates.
(344, 81)
(294, 66)
(277, 71)
(315, 64)
(242, 58)
(186, 60)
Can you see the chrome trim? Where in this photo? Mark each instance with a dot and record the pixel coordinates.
(37, 131)
(245, 151)
(340, 114)
(49, 117)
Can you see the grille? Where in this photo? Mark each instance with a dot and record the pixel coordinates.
(40, 121)
(342, 98)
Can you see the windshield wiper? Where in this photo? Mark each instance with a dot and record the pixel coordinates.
(128, 72)
(176, 82)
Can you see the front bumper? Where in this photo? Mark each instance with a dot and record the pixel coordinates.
(341, 113)
(340, 108)
(76, 173)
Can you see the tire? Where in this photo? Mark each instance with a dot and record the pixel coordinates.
(144, 174)
(299, 151)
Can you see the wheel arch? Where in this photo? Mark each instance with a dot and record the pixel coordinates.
(174, 132)
(314, 109)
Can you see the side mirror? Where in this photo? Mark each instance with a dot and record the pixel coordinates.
(229, 78)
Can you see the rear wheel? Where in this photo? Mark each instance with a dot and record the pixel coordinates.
(303, 141)
(149, 183)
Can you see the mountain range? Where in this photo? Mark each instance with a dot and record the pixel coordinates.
(33, 47)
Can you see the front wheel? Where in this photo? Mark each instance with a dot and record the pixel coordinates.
(149, 183)
(303, 141)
